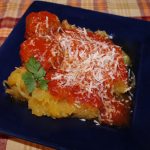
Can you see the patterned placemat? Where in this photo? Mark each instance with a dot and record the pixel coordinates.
(12, 10)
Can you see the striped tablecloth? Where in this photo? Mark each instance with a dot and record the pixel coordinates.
(12, 10)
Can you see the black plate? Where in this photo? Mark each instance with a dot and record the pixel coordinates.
(133, 36)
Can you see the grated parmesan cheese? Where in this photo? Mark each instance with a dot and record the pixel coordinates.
(90, 64)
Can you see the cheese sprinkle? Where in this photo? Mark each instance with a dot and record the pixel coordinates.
(90, 62)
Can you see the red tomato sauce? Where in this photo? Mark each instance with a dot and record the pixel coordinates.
(40, 48)
(40, 24)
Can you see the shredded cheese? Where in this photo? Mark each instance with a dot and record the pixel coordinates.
(87, 59)
(88, 63)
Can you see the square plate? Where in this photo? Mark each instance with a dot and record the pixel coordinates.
(133, 36)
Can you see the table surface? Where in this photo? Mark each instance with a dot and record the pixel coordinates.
(12, 10)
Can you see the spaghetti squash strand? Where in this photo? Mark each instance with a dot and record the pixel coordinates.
(20, 91)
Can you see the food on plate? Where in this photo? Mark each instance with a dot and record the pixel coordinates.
(71, 72)
(41, 24)
(42, 49)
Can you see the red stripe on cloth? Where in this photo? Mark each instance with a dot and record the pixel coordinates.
(69, 2)
(3, 141)
(105, 7)
(141, 7)
(2, 39)
(147, 18)
(10, 18)
(95, 5)
(8, 22)
(78, 3)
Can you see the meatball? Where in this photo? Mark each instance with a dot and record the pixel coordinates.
(41, 24)
(47, 52)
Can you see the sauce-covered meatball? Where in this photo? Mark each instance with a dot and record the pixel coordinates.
(41, 24)
(44, 50)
